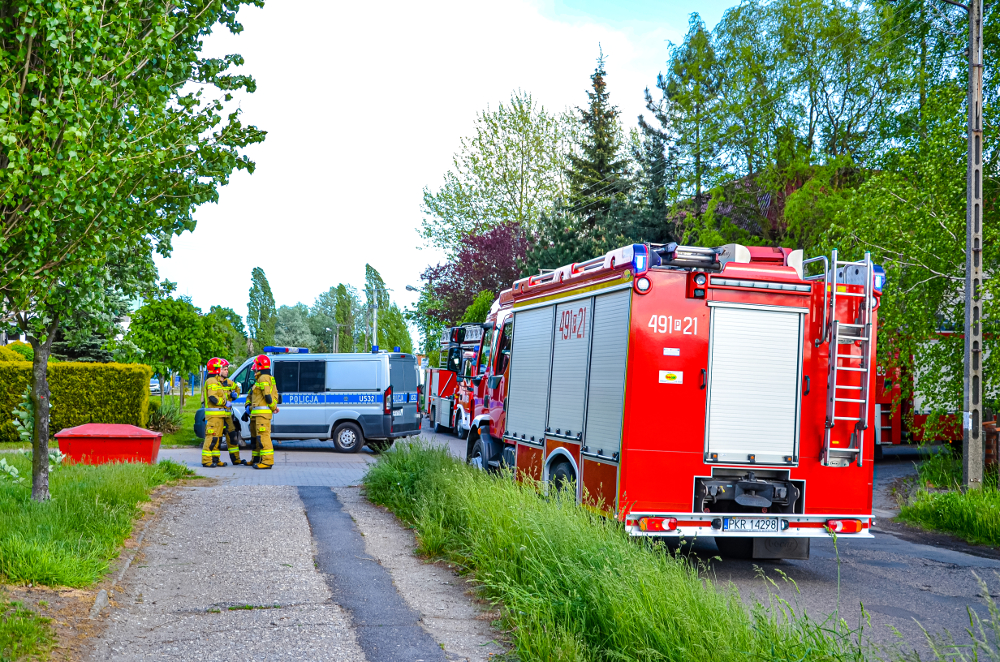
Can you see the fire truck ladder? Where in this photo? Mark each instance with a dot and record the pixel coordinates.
(842, 398)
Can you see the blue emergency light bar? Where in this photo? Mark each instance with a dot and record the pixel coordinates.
(286, 350)
(640, 258)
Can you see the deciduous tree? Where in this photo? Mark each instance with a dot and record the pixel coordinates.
(110, 135)
(168, 332)
(507, 172)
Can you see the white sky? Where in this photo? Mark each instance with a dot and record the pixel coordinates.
(364, 104)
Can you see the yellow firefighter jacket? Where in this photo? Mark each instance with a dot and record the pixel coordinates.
(263, 396)
(219, 393)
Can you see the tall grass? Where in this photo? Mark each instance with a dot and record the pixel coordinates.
(70, 540)
(973, 515)
(574, 586)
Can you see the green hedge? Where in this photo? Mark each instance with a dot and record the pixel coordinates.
(81, 393)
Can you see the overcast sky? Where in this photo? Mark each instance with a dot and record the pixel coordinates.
(364, 104)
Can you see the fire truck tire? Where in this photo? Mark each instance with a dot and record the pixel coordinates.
(735, 548)
(477, 459)
(347, 438)
(561, 475)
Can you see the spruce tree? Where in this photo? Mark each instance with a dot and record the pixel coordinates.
(598, 172)
(582, 227)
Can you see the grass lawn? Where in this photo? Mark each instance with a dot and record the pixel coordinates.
(23, 633)
(71, 540)
(573, 586)
(185, 435)
(972, 515)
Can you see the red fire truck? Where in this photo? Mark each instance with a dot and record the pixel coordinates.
(450, 401)
(692, 391)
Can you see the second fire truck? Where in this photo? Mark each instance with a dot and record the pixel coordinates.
(691, 391)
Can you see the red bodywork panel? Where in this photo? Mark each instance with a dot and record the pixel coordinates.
(664, 425)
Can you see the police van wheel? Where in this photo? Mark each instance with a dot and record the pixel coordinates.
(347, 438)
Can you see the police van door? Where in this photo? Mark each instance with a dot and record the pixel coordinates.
(302, 385)
(403, 378)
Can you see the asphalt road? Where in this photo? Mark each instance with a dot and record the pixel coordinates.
(904, 580)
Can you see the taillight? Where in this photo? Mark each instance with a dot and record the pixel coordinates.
(657, 523)
(387, 402)
(844, 525)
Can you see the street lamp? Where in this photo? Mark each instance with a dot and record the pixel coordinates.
(410, 288)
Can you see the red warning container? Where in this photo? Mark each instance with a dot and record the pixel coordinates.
(104, 443)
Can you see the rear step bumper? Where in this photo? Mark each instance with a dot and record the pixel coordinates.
(690, 525)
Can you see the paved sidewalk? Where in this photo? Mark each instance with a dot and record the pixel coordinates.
(295, 463)
(208, 556)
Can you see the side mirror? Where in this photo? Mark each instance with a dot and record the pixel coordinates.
(494, 381)
(477, 380)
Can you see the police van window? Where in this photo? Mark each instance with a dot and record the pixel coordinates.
(245, 378)
(484, 358)
(286, 376)
(403, 375)
(312, 376)
(352, 376)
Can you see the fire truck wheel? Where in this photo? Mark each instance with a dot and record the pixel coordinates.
(735, 548)
(347, 438)
(561, 475)
(477, 459)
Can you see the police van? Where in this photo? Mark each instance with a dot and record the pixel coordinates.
(352, 399)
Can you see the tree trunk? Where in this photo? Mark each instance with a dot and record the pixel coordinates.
(40, 399)
(163, 394)
(182, 389)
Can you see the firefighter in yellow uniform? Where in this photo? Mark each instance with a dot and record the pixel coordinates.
(262, 403)
(230, 424)
(218, 393)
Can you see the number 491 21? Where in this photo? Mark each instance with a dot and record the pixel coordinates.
(670, 324)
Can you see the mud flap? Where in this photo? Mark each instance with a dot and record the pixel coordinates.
(781, 548)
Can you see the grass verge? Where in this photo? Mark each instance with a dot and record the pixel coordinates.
(574, 586)
(70, 540)
(24, 635)
(973, 515)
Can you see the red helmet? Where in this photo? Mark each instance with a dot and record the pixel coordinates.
(262, 362)
(215, 365)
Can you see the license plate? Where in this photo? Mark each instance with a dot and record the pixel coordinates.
(750, 524)
(396, 413)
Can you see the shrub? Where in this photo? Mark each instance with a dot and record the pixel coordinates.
(7, 354)
(166, 417)
(81, 393)
(26, 351)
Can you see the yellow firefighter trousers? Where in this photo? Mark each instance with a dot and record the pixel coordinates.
(233, 445)
(263, 451)
(211, 450)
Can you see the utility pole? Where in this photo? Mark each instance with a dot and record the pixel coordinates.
(972, 435)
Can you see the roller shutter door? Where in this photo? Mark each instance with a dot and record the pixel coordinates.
(754, 377)
(606, 390)
(530, 360)
(570, 349)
